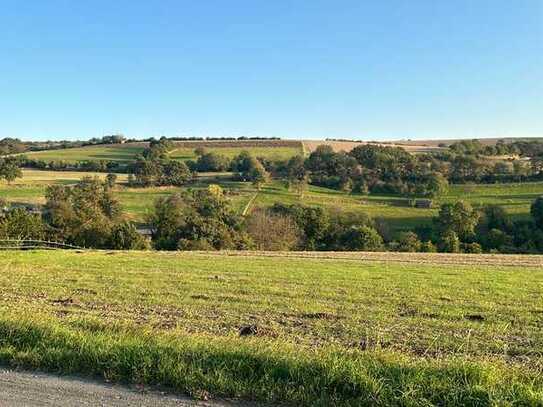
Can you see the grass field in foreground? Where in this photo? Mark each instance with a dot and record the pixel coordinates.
(328, 331)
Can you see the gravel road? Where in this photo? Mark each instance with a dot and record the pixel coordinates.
(18, 389)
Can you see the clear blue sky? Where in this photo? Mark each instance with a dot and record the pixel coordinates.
(294, 69)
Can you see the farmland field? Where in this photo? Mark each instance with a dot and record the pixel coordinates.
(340, 329)
(111, 152)
(311, 145)
(276, 150)
(271, 153)
(515, 198)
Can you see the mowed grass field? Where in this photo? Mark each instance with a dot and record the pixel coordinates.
(113, 152)
(271, 153)
(515, 198)
(319, 331)
(127, 152)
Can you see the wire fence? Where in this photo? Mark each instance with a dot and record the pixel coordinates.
(16, 244)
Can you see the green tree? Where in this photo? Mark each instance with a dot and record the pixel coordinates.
(363, 238)
(313, 221)
(201, 218)
(428, 247)
(212, 162)
(250, 169)
(409, 242)
(436, 185)
(449, 242)
(83, 214)
(9, 170)
(111, 179)
(20, 224)
(536, 211)
(297, 175)
(257, 174)
(458, 217)
(124, 236)
(175, 173)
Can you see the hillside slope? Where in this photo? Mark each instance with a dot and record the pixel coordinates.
(345, 330)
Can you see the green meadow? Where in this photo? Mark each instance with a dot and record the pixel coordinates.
(127, 152)
(115, 152)
(515, 198)
(311, 331)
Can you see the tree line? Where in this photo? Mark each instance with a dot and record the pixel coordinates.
(371, 168)
(87, 214)
(368, 168)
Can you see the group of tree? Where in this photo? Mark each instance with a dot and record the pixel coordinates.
(85, 165)
(154, 167)
(459, 227)
(372, 168)
(197, 220)
(10, 146)
(88, 215)
(204, 220)
(85, 214)
(523, 148)
(369, 168)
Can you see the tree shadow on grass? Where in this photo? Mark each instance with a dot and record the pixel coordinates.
(264, 370)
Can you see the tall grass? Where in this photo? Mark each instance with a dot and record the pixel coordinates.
(263, 370)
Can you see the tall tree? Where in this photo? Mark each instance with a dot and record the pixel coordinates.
(9, 170)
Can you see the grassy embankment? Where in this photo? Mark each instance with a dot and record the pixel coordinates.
(328, 331)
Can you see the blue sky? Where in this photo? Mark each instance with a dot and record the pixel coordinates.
(293, 69)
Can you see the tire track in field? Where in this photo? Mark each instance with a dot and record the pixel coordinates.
(396, 257)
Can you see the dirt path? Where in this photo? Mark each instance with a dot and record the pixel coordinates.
(512, 260)
(18, 389)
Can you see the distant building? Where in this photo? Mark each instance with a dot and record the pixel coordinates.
(423, 203)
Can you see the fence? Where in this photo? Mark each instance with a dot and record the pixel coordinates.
(16, 244)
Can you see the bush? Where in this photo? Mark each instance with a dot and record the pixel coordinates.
(428, 247)
(199, 244)
(408, 242)
(83, 214)
(364, 238)
(196, 219)
(212, 162)
(271, 231)
(449, 242)
(313, 222)
(474, 248)
(496, 239)
(124, 236)
(20, 224)
(111, 179)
